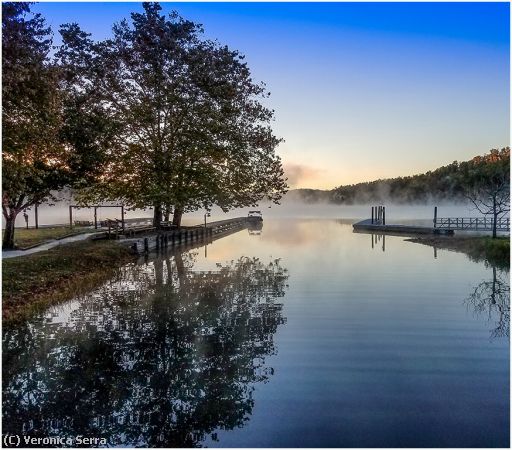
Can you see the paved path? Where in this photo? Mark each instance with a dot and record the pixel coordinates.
(46, 246)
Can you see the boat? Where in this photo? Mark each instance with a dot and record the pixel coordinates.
(255, 216)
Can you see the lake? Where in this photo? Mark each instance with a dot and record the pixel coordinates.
(302, 334)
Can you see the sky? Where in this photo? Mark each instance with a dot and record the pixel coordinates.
(361, 91)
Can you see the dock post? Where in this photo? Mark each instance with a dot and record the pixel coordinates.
(383, 215)
(372, 214)
(146, 245)
(95, 217)
(435, 216)
(70, 216)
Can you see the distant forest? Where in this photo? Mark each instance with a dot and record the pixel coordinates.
(447, 183)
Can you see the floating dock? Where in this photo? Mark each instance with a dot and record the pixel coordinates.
(377, 224)
(368, 225)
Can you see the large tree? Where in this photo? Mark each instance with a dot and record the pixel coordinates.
(31, 152)
(191, 127)
(488, 184)
(51, 134)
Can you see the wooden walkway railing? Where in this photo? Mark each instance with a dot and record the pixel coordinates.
(199, 233)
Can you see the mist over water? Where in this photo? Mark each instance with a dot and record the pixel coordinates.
(395, 213)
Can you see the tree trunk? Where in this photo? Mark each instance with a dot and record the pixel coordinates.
(495, 215)
(167, 213)
(176, 218)
(157, 216)
(8, 241)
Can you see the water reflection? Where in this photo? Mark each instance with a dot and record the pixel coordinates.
(491, 298)
(161, 356)
(254, 228)
(379, 240)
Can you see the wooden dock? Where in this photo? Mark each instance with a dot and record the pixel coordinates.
(160, 240)
(443, 225)
(368, 226)
(377, 224)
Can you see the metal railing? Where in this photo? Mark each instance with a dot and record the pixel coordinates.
(472, 223)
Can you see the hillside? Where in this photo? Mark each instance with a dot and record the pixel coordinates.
(447, 183)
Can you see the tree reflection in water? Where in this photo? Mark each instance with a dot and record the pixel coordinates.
(162, 356)
(492, 298)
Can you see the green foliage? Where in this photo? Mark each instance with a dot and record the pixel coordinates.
(31, 152)
(51, 134)
(188, 125)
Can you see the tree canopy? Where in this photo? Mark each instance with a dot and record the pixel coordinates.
(190, 126)
(32, 156)
(51, 135)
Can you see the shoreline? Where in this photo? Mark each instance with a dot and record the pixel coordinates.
(32, 283)
(495, 252)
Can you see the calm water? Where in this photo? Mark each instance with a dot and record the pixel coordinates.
(306, 334)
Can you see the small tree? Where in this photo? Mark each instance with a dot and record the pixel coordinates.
(488, 185)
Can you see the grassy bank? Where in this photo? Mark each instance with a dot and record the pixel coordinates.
(24, 238)
(495, 252)
(33, 282)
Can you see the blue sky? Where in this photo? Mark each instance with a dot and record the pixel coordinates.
(360, 90)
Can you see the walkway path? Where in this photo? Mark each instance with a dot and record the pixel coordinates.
(46, 246)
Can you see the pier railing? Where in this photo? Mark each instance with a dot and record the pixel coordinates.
(471, 223)
(184, 236)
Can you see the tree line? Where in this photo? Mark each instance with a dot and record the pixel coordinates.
(458, 181)
(453, 182)
(155, 116)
